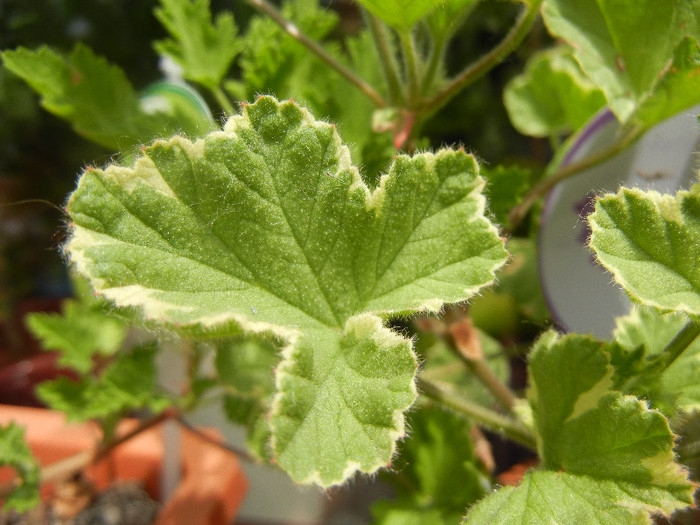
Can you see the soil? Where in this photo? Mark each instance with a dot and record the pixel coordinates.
(121, 504)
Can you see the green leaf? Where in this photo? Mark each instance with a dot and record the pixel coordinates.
(438, 463)
(80, 332)
(558, 497)
(676, 387)
(446, 18)
(615, 53)
(97, 98)
(678, 89)
(245, 366)
(15, 453)
(606, 458)
(401, 14)
(505, 188)
(553, 96)
(204, 48)
(267, 227)
(127, 384)
(651, 244)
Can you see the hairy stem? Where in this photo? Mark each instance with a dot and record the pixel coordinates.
(484, 64)
(410, 57)
(387, 58)
(293, 31)
(482, 415)
(518, 213)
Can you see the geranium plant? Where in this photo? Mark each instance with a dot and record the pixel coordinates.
(335, 272)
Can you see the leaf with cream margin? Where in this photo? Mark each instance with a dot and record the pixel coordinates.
(267, 227)
(606, 457)
(650, 242)
(672, 388)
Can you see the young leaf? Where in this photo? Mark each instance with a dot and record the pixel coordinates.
(267, 227)
(129, 383)
(15, 453)
(438, 463)
(552, 96)
(401, 14)
(606, 457)
(615, 53)
(79, 332)
(651, 244)
(677, 387)
(205, 48)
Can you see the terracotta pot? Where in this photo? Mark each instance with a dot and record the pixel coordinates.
(211, 488)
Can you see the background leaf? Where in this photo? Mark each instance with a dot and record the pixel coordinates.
(615, 53)
(553, 96)
(15, 453)
(643, 335)
(97, 98)
(204, 47)
(651, 244)
(401, 14)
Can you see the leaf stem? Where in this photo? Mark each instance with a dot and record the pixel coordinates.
(436, 55)
(223, 100)
(486, 417)
(484, 64)
(386, 55)
(466, 340)
(681, 342)
(292, 30)
(518, 213)
(409, 53)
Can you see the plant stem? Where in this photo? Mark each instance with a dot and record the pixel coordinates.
(476, 70)
(293, 31)
(489, 418)
(683, 340)
(465, 339)
(223, 100)
(517, 214)
(409, 54)
(386, 55)
(435, 59)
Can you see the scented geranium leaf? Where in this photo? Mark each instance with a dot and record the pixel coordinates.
(552, 96)
(651, 244)
(402, 14)
(80, 332)
(559, 497)
(267, 227)
(129, 383)
(15, 453)
(606, 457)
(204, 47)
(612, 50)
(447, 17)
(676, 387)
(97, 98)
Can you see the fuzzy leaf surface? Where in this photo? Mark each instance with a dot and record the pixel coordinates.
(267, 227)
(615, 54)
(651, 244)
(606, 458)
(204, 47)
